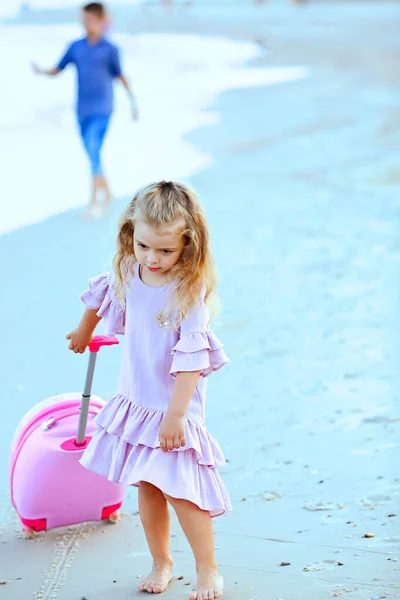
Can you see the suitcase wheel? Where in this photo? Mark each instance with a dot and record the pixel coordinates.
(29, 533)
(110, 513)
(113, 517)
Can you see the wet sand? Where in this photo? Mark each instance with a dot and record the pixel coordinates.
(303, 203)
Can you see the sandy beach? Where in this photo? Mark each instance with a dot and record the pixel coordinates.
(300, 180)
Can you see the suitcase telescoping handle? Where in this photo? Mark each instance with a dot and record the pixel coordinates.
(97, 342)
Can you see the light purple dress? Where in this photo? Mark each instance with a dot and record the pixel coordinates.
(125, 447)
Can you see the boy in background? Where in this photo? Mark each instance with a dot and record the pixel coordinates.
(98, 64)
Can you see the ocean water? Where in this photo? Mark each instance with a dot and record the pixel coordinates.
(13, 7)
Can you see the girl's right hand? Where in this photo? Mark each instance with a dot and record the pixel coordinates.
(79, 340)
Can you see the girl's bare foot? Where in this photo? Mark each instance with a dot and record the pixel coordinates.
(158, 580)
(210, 585)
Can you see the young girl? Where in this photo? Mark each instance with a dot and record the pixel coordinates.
(152, 433)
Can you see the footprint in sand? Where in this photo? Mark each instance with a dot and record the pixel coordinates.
(323, 565)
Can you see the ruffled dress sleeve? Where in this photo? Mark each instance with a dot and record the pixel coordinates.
(100, 296)
(198, 348)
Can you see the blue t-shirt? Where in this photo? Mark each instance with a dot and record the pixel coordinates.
(97, 65)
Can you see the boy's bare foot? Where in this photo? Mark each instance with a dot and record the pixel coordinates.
(210, 585)
(107, 197)
(101, 190)
(93, 212)
(158, 580)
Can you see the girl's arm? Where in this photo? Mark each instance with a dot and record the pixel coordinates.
(172, 430)
(82, 335)
(185, 384)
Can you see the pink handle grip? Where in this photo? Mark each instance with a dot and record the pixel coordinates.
(102, 340)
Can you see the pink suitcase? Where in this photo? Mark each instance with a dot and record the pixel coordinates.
(49, 488)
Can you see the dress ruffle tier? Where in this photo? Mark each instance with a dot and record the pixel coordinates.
(198, 351)
(125, 448)
(99, 297)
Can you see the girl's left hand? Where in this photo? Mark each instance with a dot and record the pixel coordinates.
(172, 432)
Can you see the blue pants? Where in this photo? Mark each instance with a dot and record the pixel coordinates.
(93, 129)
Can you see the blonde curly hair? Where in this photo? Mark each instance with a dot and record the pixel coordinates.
(161, 205)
